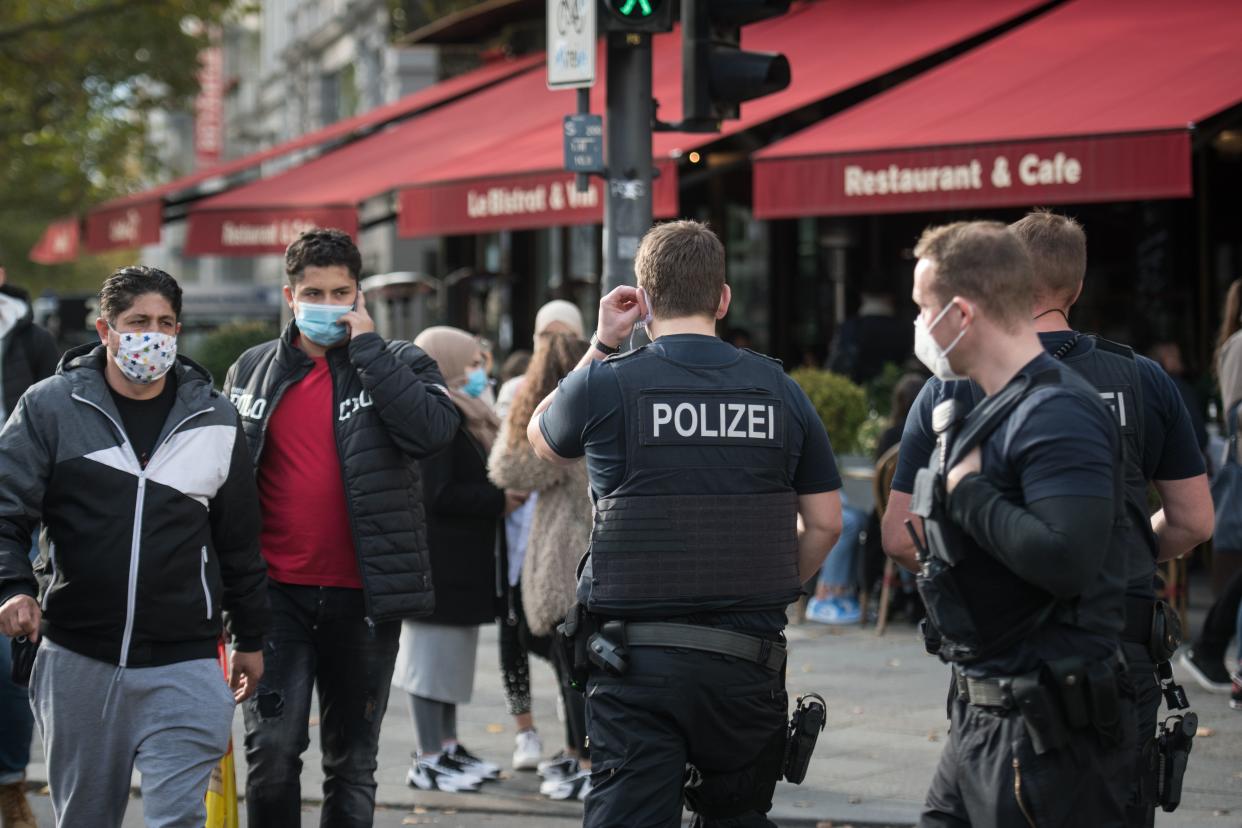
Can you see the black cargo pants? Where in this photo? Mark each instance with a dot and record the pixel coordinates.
(989, 775)
(725, 716)
(1141, 807)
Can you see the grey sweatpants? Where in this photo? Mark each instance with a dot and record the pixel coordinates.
(98, 722)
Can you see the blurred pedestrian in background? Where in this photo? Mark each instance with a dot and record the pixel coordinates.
(466, 538)
(559, 535)
(27, 354)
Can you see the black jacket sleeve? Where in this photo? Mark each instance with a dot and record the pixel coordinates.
(26, 460)
(1056, 543)
(420, 419)
(235, 524)
(451, 485)
(43, 353)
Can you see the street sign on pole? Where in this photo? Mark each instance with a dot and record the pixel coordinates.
(572, 28)
(584, 143)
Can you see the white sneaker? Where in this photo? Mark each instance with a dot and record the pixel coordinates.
(527, 750)
(441, 775)
(558, 767)
(571, 787)
(473, 765)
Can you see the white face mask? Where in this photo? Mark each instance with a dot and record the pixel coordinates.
(930, 354)
(145, 356)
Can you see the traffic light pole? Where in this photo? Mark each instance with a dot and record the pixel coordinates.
(627, 208)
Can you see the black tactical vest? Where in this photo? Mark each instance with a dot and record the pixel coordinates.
(1113, 371)
(705, 517)
(979, 606)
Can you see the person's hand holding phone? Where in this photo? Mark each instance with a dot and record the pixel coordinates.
(358, 320)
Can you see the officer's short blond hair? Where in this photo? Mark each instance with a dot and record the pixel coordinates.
(983, 262)
(681, 265)
(1057, 246)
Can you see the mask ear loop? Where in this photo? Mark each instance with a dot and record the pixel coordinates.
(644, 320)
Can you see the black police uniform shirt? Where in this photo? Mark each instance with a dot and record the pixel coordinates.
(1053, 444)
(586, 418)
(1170, 449)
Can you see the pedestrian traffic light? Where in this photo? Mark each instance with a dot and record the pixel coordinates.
(716, 74)
(636, 15)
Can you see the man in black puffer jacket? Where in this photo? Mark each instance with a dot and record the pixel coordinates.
(337, 419)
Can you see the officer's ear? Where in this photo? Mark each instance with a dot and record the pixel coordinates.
(726, 296)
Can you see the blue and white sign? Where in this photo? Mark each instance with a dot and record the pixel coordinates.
(571, 43)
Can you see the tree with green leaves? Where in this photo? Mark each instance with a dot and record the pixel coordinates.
(78, 80)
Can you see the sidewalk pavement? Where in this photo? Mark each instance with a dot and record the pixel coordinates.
(886, 728)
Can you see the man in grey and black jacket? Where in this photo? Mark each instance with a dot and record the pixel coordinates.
(337, 419)
(139, 472)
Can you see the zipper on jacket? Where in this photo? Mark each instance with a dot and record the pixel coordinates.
(51, 562)
(202, 573)
(349, 503)
(135, 543)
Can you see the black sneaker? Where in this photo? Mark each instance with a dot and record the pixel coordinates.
(441, 775)
(1235, 694)
(473, 765)
(1210, 673)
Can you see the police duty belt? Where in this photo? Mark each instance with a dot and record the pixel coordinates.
(770, 654)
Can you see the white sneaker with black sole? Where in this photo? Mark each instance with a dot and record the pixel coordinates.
(561, 766)
(473, 765)
(442, 774)
(527, 750)
(576, 786)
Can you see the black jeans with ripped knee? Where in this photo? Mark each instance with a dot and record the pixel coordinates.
(319, 636)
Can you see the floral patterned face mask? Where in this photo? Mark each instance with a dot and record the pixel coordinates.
(145, 356)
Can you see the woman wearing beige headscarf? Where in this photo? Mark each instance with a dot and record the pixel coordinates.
(464, 510)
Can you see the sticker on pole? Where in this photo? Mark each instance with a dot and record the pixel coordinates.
(571, 43)
(584, 143)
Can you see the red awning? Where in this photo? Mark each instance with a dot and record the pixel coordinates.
(59, 242)
(112, 225)
(1093, 101)
(494, 160)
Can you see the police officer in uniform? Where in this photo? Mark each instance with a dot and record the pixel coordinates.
(1158, 447)
(701, 459)
(1017, 507)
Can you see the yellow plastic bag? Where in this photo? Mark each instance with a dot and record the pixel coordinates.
(222, 790)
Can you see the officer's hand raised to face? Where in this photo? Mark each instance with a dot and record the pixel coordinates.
(619, 310)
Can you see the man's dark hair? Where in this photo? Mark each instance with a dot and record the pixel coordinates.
(681, 265)
(128, 283)
(322, 247)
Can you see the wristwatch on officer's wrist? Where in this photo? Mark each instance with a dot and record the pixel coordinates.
(606, 350)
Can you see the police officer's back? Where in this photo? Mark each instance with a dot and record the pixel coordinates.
(701, 458)
(1018, 505)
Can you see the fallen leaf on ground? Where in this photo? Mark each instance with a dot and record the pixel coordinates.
(1205, 733)
(933, 736)
(495, 728)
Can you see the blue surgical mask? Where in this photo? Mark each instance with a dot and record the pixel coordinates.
(318, 322)
(476, 383)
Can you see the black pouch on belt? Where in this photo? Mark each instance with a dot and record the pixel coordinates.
(1043, 721)
(1166, 632)
(1105, 699)
(1069, 676)
(572, 639)
(23, 651)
